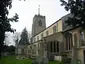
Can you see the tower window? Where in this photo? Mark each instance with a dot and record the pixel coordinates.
(40, 23)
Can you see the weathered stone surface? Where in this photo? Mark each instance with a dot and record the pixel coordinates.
(75, 61)
(45, 60)
(39, 60)
(34, 61)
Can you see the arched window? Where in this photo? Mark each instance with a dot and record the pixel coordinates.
(40, 23)
(69, 43)
(82, 38)
(75, 40)
(82, 35)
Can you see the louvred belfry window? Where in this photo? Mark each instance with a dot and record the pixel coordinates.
(40, 23)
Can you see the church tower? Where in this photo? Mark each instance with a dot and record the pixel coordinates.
(39, 23)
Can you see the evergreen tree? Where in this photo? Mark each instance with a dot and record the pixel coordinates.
(77, 9)
(24, 38)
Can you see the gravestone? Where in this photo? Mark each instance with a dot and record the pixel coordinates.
(34, 61)
(39, 60)
(67, 61)
(45, 61)
(75, 61)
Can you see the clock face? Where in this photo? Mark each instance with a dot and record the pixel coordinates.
(40, 23)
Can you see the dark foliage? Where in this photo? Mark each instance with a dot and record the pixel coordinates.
(77, 9)
(5, 21)
(9, 49)
(24, 38)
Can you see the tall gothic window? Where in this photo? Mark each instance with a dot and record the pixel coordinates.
(40, 23)
(57, 46)
(54, 46)
(51, 47)
(82, 37)
(69, 44)
(75, 39)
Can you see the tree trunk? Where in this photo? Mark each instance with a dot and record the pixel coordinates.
(2, 37)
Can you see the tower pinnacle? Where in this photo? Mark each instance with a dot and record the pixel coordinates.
(39, 10)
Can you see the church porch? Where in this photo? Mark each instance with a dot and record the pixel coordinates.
(54, 45)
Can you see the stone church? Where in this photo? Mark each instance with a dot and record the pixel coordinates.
(57, 41)
(47, 42)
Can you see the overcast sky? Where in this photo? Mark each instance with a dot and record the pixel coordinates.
(27, 9)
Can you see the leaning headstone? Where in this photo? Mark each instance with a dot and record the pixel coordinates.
(17, 57)
(67, 61)
(34, 61)
(75, 61)
(38, 60)
(45, 60)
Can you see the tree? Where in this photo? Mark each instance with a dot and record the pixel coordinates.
(5, 48)
(5, 25)
(24, 38)
(10, 49)
(77, 9)
(16, 38)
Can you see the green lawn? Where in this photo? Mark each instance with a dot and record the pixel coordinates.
(55, 62)
(13, 60)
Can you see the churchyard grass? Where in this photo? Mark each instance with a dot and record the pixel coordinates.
(13, 60)
(55, 62)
